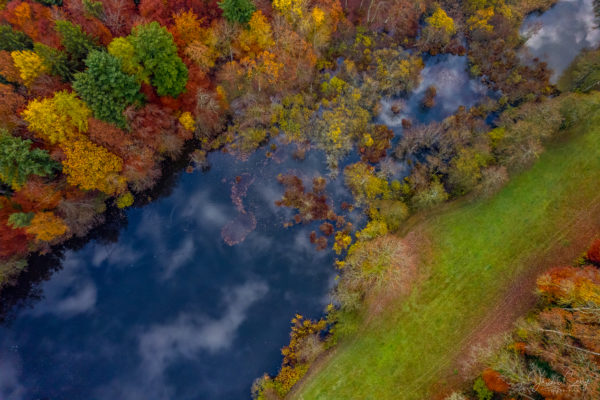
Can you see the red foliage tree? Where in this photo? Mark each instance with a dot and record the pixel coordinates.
(37, 195)
(33, 19)
(493, 380)
(76, 13)
(593, 253)
(119, 16)
(10, 105)
(14, 241)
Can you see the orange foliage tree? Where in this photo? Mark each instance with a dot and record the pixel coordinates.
(46, 226)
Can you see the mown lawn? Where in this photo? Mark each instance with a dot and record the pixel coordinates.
(476, 251)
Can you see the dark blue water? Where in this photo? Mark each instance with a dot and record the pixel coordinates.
(169, 310)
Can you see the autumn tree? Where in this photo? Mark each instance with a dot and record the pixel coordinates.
(130, 63)
(157, 52)
(263, 70)
(92, 167)
(106, 88)
(11, 103)
(18, 160)
(46, 226)
(14, 240)
(438, 31)
(33, 19)
(186, 28)
(257, 37)
(58, 119)
(239, 11)
(364, 183)
(29, 64)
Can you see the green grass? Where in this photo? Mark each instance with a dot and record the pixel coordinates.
(477, 250)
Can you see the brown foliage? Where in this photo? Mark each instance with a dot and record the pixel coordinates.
(10, 105)
(381, 141)
(311, 206)
(593, 253)
(494, 381)
(107, 135)
(32, 18)
(37, 195)
(7, 67)
(14, 241)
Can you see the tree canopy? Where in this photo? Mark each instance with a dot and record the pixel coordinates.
(157, 52)
(105, 88)
(18, 160)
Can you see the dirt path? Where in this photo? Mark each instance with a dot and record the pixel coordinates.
(519, 297)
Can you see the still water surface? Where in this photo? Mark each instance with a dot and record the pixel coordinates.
(168, 310)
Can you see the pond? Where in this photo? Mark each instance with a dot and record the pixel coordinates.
(559, 34)
(170, 310)
(167, 309)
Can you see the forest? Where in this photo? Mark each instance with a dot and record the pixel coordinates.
(100, 97)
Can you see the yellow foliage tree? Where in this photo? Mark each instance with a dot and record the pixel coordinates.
(480, 20)
(364, 184)
(123, 49)
(46, 226)
(293, 10)
(257, 37)
(29, 64)
(58, 119)
(264, 70)
(440, 20)
(92, 167)
(187, 27)
(187, 121)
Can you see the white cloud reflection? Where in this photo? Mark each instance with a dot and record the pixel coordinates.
(70, 292)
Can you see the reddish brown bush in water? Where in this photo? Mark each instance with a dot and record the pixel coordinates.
(377, 148)
(429, 99)
(326, 228)
(311, 206)
(494, 381)
(593, 253)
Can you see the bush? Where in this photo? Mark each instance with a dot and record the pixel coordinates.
(482, 391)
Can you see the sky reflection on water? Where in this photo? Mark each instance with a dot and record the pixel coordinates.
(559, 34)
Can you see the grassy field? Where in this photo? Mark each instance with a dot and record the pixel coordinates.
(477, 252)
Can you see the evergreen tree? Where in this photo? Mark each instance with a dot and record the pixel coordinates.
(56, 61)
(12, 40)
(155, 48)
(239, 11)
(76, 42)
(106, 88)
(18, 161)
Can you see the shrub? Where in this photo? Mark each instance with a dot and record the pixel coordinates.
(482, 391)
